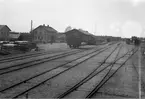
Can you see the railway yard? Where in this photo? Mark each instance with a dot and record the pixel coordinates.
(112, 70)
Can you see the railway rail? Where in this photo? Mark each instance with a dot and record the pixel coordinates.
(142, 82)
(52, 69)
(36, 64)
(21, 57)
(109, 75)
(105, 78)
(6, 69)
(25, 56)
(85, 58)
(15, 67)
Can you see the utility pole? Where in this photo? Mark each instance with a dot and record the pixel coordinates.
(95, 29)
(31, 25)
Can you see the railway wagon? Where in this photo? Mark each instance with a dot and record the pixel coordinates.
(75, 37)
(137, 42)
(91, 40)
(128, 41)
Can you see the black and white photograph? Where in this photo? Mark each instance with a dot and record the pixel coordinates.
(72, 49)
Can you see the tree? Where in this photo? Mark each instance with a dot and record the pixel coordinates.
(68, 28)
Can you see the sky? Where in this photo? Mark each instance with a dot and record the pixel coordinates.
(123, 18)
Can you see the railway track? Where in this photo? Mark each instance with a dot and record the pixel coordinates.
(8, 71)
(79, 61)
(24, 56)
(95, 73)
(108, 75)
(21, 65)
(15, 67)
(21, 57)
(142, 82)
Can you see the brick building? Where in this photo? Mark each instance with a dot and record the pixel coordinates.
(4, 32)
(43, 34)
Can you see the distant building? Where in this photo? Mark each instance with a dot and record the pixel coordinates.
(60, 37)
(25, 37)
(20, 36)
(13, 36)
(4, 32)
(44, 34)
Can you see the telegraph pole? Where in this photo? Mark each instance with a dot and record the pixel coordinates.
(31, 25)
(95, 29)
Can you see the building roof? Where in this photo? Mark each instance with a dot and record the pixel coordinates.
(25, 36)
(47, 28)
(50, 29)
(85, 32)
(73, 30)
(80, 31)
(2, 26)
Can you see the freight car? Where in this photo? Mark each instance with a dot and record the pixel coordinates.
(128, 41)
(75, 37)
(137, 42)
(91, 40)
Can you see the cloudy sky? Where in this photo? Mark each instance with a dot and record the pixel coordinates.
(123, 18)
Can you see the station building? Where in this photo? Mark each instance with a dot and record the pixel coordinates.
(44, 34)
